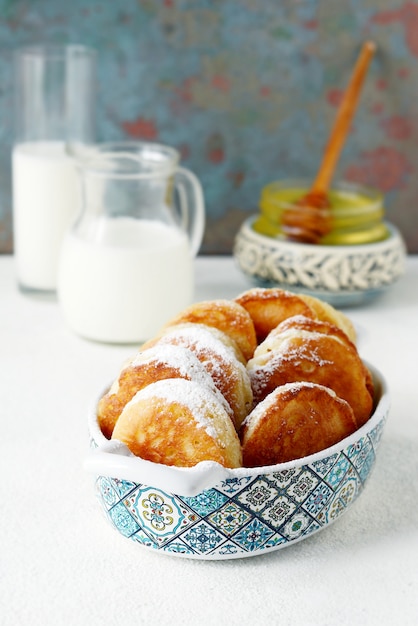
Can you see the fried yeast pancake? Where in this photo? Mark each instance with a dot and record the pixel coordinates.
(304, 323)
(225, 315)
(294, 421)
(178, 422)
(219, 359)
(269, 307)
(148, 366)
(327, 313)
(299, 355)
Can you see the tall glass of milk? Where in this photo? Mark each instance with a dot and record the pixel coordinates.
(126, 265)
(55, 112)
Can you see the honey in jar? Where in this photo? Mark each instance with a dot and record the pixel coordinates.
(357, 212)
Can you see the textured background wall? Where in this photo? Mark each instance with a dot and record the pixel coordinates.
(246, 90)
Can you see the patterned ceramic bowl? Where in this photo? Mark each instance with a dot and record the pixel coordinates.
(209, 512)
(341, 275)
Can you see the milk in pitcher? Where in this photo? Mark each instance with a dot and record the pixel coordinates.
(124, 285)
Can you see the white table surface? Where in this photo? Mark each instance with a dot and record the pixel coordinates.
(61, 563)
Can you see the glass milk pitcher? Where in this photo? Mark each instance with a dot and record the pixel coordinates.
(126, 265)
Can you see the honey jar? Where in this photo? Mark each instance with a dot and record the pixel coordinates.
(357, 212)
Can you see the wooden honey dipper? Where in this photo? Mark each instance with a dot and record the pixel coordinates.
(309, 219)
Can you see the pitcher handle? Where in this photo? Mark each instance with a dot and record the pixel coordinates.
(192, 206)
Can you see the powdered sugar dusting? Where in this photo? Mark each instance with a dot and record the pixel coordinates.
(185, 362)
(199, 400)
(275, 340)
(265, 405)
(262, 367)
(233, 307)
(201, 336)
(262, 293)
(206, 345)
(288, 351)
(168, 354)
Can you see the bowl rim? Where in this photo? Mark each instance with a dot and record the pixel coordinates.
(113, 458)
(394, 238)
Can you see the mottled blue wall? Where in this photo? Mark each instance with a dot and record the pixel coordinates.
(246, 90)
